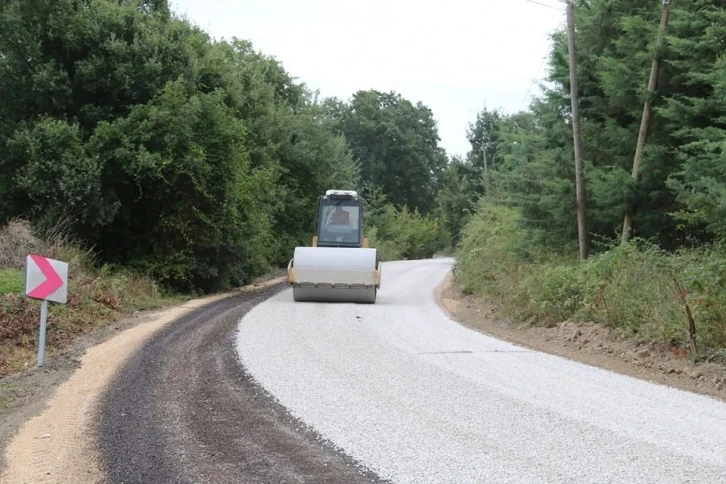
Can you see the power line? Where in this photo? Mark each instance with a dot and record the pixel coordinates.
(544, 5)
(539, 69)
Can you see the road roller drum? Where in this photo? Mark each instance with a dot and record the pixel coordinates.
(335, 274)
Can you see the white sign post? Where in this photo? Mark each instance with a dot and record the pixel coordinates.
(46, 280)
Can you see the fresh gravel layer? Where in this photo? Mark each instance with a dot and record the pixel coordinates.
(183, 411)
(418, 398)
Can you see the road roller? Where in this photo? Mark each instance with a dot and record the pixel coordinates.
(340, 266)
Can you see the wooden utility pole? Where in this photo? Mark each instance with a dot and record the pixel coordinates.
(577, 138)
(645, 121)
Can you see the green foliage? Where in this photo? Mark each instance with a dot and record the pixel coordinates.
(520, 246)
(51, 160)
(556, 290)
(679, 198)
(637, 288)
(198, 163)
(193, 188)
(490, 258)
(401, 233)
(396, 144)
(461, 186)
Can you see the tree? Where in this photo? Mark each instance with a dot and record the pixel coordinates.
(461, 188)
(396, 144)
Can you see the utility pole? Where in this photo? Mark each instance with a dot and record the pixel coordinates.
(576, 135)
(486, 169)
(645, 120)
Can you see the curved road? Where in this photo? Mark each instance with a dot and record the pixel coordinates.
(182, 410)
(418, 398)
(259, 389)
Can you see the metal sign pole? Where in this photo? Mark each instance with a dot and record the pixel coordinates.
(47, 280)
(43, 322)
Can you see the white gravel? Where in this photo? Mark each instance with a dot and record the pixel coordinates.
(419, 398)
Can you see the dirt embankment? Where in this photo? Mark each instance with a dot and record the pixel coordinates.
(47, 415)
(590, 343)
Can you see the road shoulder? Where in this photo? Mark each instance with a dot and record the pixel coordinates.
(46, 429)
(589, 343)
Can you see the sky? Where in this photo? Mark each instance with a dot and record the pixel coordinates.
(454, 56)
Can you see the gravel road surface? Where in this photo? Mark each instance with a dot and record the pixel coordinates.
(182, 410)
(418, 398)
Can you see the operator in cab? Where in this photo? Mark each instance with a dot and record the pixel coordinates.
(340, 217)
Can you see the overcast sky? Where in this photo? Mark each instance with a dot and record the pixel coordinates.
(455, 56)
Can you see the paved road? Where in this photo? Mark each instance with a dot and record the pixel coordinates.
(183, 411)
(418, 398)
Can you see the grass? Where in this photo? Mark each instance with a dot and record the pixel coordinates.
(96, 296)
(11, 281)
(637, 288)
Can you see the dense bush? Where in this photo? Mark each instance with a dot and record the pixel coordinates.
(636, 287)
(401, 233)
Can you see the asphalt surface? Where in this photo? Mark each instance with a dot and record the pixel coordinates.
(182, 410)
(418, 398)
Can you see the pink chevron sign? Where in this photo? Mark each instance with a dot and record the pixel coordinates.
(46, 279)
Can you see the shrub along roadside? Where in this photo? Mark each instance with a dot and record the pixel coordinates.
(638, 288)
(96, 297)
(401, 233)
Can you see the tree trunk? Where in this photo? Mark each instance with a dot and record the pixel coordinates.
(645, 121)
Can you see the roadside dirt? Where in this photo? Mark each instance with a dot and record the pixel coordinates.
(46, 413)
(587, 343)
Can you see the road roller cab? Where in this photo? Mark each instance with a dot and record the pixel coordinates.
(340, 220)
(339, 267)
